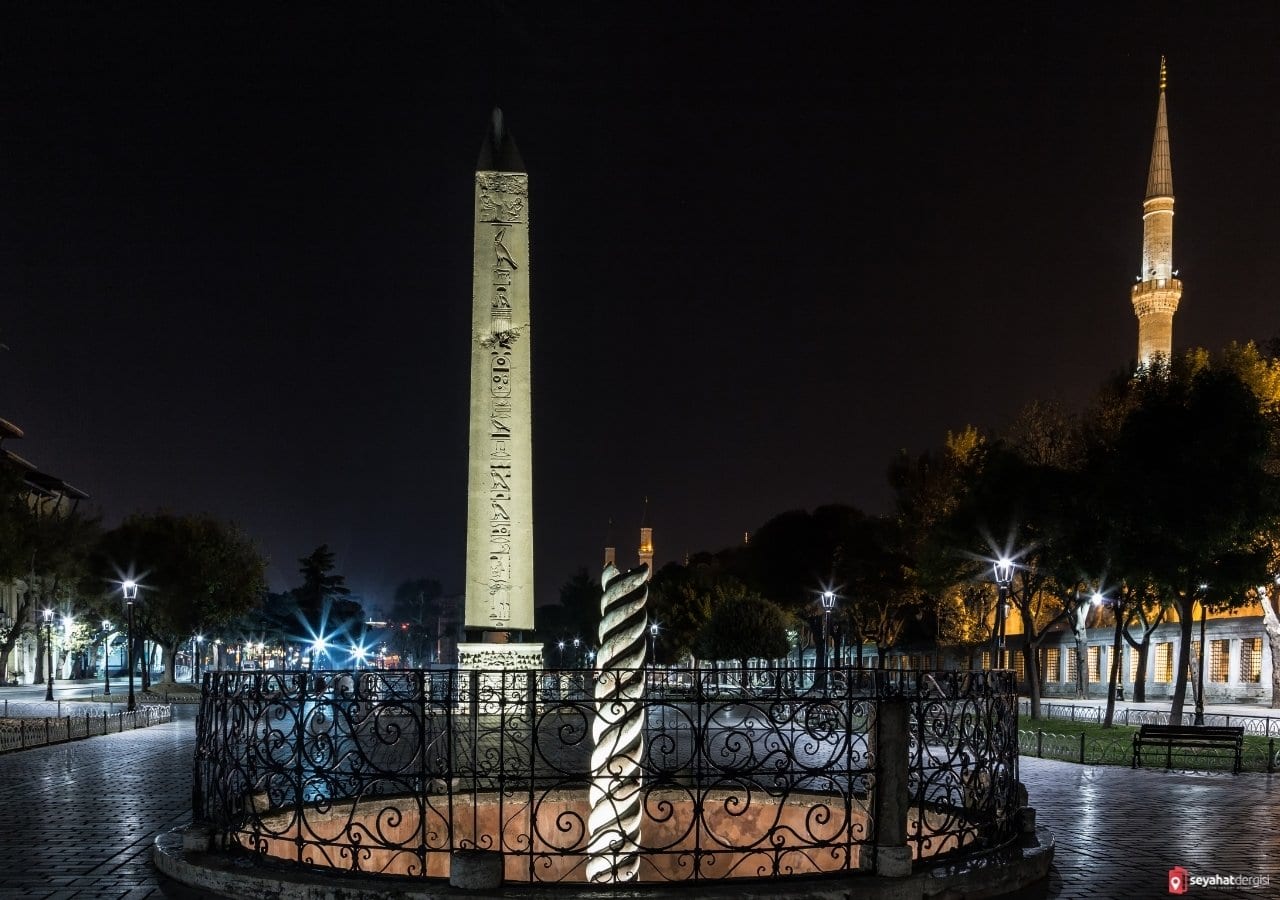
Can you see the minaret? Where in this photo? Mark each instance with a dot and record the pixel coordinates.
(499, 579)
(646, 539)
(1155, 296)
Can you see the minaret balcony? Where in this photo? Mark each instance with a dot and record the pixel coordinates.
(1156, 295)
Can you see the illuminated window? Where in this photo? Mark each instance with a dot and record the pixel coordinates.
(1094, 654)
(1219, 660)
(1134, 658)
(1052, 664)
(1251, 659)
(1073, 665)
(1164, 663)
(986, 659)
(1019, 664)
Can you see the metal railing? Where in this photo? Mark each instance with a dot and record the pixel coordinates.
(741, 776)
(35, 730)
(1259, 726)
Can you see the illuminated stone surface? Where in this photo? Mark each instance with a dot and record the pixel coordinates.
(1155, 297)
(499, 585)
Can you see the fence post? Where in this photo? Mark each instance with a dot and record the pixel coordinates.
(1073, 712)
(1271, 754)
(1040, 742)
(1082, 748)
(48, 731)
(892, 796)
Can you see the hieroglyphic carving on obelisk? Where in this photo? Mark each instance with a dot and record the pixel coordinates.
(499, 589)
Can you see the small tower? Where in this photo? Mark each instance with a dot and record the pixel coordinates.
(646, 539)
(610, 551)
(1156, 295)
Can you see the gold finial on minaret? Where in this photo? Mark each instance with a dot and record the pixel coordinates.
(1164, 75)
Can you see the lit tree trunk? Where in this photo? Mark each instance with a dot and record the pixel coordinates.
(1117, 647)
(1079, 618)
(40, 656)
(1185, 621)
(1271, 624)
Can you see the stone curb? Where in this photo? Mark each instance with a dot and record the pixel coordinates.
(241, 877)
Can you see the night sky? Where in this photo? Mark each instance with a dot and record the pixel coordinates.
(770, 247)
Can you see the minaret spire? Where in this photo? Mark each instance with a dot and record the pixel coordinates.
(1155, 297)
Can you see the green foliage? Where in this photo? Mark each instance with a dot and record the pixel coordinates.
(324, 601)
(194, 572)
(742, 625)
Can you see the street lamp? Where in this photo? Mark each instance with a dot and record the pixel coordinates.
(106, 657)
(130, 595)
(560, 653)
(317, 646)
(1003, 572)
(577, 657)
(653, 643)
(828, 604)
(199, 641)
(48, 649)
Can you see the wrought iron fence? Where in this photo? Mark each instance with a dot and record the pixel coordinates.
(1260, 726)
(762, 774)
(23, 731)
(1259, 754)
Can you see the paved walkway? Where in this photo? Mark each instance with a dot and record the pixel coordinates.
(78, 821)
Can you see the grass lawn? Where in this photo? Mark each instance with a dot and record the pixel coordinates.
(1114, 746)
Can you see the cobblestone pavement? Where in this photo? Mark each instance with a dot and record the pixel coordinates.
(79, 819)
(1119, 831)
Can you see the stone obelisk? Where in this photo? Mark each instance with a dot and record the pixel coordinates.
(499, 587)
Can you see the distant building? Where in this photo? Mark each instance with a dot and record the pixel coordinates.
(20, 639)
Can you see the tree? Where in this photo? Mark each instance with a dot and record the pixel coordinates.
(1189, 497)
(743, 625)
(416, 611)
(194, 572)
(580, 601)
(52, 543)
(324, 600)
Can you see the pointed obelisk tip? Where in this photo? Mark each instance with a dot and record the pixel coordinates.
(1164, 76)
(498, 152)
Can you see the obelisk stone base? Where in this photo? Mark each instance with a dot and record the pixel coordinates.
(497, 678)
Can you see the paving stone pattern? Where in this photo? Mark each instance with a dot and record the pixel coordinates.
(79, 818)
(1119, 831)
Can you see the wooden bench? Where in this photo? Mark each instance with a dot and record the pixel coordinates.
(1189, 737)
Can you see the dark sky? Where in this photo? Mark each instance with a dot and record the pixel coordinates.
(770, 247)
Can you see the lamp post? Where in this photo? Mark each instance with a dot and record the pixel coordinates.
(560, 653)
(1003, 572)
(199, 642)
(828, 604)
(577, 657)
(130, 595)
(653, 643)
(217, 653)
(106, 657)
(48, 649)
